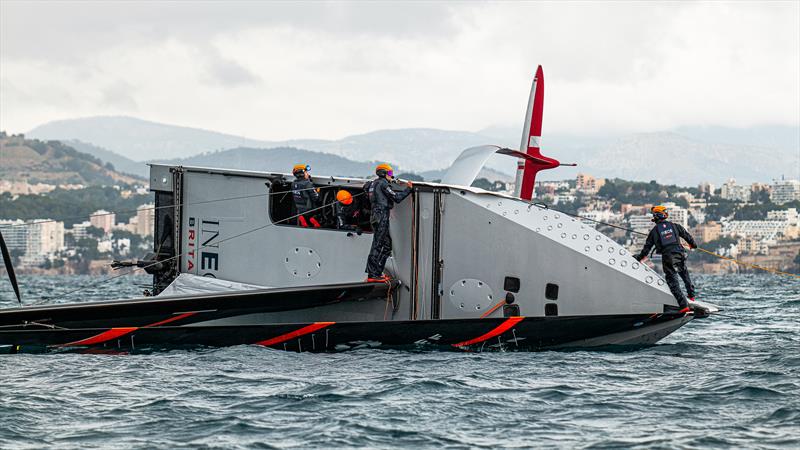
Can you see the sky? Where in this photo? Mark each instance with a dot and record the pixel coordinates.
(273, 71)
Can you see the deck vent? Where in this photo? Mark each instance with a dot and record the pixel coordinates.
(550, 309)
(511, 284)
(551, 291)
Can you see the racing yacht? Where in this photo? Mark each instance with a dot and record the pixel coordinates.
(470, 269)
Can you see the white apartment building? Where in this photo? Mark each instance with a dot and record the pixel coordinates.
(732, 191)
(78, 230)
(785, 191)
(103, 219)
(677, 214)
(763, 229)
(145, 218)
(37, 239)
(789, 215)
(641, 223)
(15, 233)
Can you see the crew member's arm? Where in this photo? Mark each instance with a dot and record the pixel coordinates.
(313, 192)
(396, 196)
(686, 236)
(648, 245)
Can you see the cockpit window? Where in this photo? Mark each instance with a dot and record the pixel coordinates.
(283, 212)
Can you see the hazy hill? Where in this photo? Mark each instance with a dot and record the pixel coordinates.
(121, 163)
(680, 160)
(52, 162)
(140, 140)
(686, 156)
(416, 149)
(279, 160)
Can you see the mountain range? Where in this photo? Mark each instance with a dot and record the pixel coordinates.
(683, 156)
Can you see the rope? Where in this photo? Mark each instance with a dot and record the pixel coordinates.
(106, 280)
(493, 309)
(202, 202)
(754, 266)
(733, 260)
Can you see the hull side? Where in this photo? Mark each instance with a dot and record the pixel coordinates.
(512, 333)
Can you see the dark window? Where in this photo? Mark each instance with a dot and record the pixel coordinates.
(283, 212)
(510, 310)
(511, 284)
(550, 309)
(551, 291)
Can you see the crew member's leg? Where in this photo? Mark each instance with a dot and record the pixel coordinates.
(380, 232)
(683, 271)
(672, 278)
(386, 248)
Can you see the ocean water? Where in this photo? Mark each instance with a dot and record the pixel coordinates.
(728, 381)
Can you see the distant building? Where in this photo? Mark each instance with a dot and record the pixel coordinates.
(707, 232)
(45, 237)
(789, 215)
(78, 230)
(15, 233)
(36, 240)
(677, 214)
(764, 229)
(588, 184)
(734, 192)
(564, 198)
(785, 191)
(599, 215)
(145, 219)
(103, 219)
(753, 246)
(706, 188)
(641, 223)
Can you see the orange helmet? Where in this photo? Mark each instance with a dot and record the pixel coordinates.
(659, 213)
(344, 197)
(385, 169)
(300, 168)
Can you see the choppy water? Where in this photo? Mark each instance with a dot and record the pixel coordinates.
(730, 381)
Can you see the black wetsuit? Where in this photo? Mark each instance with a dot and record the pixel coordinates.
(382, 198)
(347, 215)
(665, 237)
(305, 198)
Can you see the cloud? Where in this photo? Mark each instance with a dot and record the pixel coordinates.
(287, 70)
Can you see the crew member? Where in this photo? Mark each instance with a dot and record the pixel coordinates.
(665, 236)
(382, 198)
(347, 211)
(305, 196)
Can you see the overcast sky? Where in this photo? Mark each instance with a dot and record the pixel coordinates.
(326, 70)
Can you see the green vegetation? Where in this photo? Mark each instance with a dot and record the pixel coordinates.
(52, 162)
(640, 193)
(71, 206)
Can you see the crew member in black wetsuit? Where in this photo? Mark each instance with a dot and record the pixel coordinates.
(382, 198)
(347, 212)
(305, 196)
(665, 236)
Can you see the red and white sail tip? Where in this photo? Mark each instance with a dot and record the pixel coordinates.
(532, 141)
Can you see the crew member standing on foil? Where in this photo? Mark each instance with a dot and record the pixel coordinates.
(665, 236)
(305, 196)
(382, 198)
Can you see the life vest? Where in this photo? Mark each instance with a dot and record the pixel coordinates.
(667, 234)
(301, 196)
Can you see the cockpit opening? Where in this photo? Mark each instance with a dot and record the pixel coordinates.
(331, 214)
